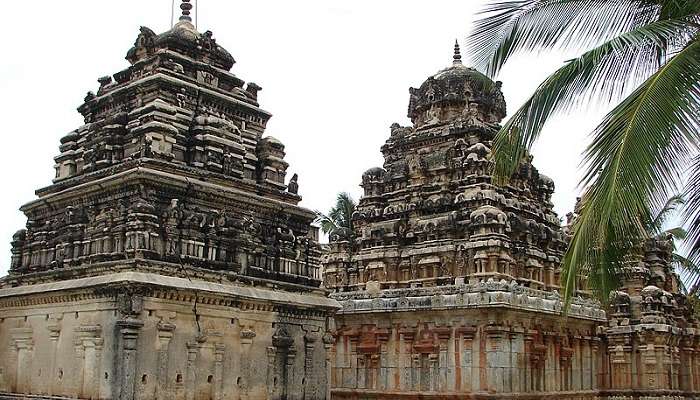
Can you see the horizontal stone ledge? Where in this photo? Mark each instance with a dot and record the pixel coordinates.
(12, 396)
(153, 174)
(390, 395)
(168, 282)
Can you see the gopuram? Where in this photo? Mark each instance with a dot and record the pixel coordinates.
(450, 289)
(169, 259)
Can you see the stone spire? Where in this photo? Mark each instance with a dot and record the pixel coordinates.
(457, 58)
(186, 8)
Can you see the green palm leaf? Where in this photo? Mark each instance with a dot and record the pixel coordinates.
(673, 204)
(511, 27)
(338, 221)
(689, 271)
(691, 212)
(635, 160)
(601, 73)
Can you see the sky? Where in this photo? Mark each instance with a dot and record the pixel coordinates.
(335, 75)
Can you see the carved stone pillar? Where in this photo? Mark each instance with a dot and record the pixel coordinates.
(588, 379)
(649, 362)
(247, 335)
(407, 335)
(441, 383)
(528, 365)
(676, 373)
(79, 366)
(415, 371)
(384, 359)
(497, 359)
(689, 361)
(22, 345)
(271, 358)
(598, 372)
(88, 346)
(352, 361)
(434, 361)
(165, 335)
(292, 393)
(328, 342)
(464, 339)
(620, 361)
(54, 327)
(191, 372)
(219, 351)
(566, 360)
(128, 336)
(512, 372)
(310, 384)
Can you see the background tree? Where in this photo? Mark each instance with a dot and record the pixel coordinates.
(639, 154)
(338, 221)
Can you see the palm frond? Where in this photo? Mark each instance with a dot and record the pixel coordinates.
(691, 211)
(677, 233)
(689, 272)
(633, 163)
(601, 74)
(338, 221)
(510, 27)
(670, 208)
(327, 224)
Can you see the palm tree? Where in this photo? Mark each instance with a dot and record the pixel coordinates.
(639, 154)
(656, 228)
(338, 222)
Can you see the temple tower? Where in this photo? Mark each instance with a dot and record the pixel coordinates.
(451, 289)
(169, 259)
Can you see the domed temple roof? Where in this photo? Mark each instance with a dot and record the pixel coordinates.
(183, 38)
(457, 86)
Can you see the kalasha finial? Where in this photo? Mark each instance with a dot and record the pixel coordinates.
(457, 59)
(186, 8)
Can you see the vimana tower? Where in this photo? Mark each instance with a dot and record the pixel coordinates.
(169, 258)
(451, 289)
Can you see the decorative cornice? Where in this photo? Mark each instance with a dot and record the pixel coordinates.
(245, 298)
(490, 294)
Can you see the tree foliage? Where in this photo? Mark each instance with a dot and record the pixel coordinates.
(338, 221)
(643, 56)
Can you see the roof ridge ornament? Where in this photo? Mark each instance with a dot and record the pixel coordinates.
(186, 8)
(457, 58)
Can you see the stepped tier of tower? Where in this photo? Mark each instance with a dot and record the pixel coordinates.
(432, 213)
(172, 166)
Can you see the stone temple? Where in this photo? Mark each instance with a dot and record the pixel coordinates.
(169, 258)
(451, 288)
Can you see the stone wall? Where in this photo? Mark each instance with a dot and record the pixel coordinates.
(488, 338)
(144, 336)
